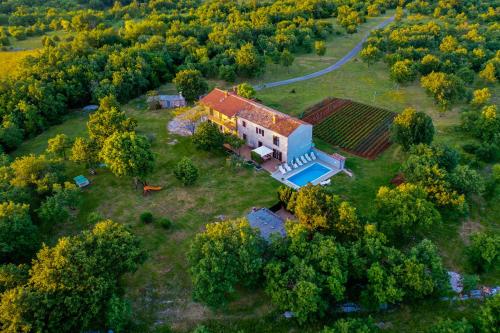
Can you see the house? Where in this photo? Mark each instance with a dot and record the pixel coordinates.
(168, 101)
(284, 136)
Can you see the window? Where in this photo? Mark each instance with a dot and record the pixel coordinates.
(276, 140)
(220, 115)
(259, 131)
(244, 137)
(244, 123)
(260, 144)
(212, 112)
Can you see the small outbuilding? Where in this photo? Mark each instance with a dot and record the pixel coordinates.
(90, 108)
(168, 101)
(267, 222)
(81, 181)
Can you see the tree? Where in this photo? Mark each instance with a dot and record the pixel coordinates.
(445, 88)
(448, 326)
(248, 61)
(411, 127)
(370, 54)
(403, 71)
(309, 205)
(128, 154)
(12, 276)
(483, 251)
(404, 212)
(307, 275)
(428, 166)
(118, 314)
(190, 83)
(317, 210)
(398, 16)
(11, 136)
(286, 58)
(466, 180)
(481, 97)
(84, 151)
(285, 194)
(208, 137)
(489, 317)
(488, 74)
(234, 141)
(71, 284)
(18, 235)
(36, 172)
(55, 207)
(57, 145)
(226, 254)
(320, 47)
(109, 119)
(186, 171)
(245, 90)
(429, 63)
(352, 325)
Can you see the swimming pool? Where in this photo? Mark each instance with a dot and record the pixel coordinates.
(308, 175)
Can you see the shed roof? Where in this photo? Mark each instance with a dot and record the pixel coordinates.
(267, 222)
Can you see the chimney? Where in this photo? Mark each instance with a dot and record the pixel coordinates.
(274, 119)
(226, 93)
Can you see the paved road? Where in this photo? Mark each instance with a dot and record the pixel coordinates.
(330, 68)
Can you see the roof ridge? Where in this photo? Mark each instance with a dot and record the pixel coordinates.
(261, 106)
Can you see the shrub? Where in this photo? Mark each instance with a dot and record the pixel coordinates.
(256, 157)
(469, 281)
(208, 137)
(164, 222)
(484, 251)
(146, 217)
(186, 171)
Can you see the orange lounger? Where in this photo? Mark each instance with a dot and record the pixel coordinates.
(152, 188)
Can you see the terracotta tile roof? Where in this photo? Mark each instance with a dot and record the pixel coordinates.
(232, 105)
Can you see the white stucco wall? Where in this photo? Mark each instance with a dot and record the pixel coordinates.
(267, 139)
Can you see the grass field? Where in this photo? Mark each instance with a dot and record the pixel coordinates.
(160, 290)
(10, 60)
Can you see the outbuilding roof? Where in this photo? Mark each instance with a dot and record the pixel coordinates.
(230, 104)
(267, 222)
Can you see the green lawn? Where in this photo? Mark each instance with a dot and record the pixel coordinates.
(35, 42)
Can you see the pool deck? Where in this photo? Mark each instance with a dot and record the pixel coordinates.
(283, 177)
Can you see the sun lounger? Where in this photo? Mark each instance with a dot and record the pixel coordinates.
(303, 159)
(307, 158)
(287, 167)
(325, 182)
(313, 156)
(295, 165)
(298, 161)
(282, 170)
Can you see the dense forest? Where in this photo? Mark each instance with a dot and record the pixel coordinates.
(125, 49)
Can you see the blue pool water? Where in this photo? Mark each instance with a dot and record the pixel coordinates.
(308, 175)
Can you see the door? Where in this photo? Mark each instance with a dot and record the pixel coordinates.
(259, 144)
(277, 155)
